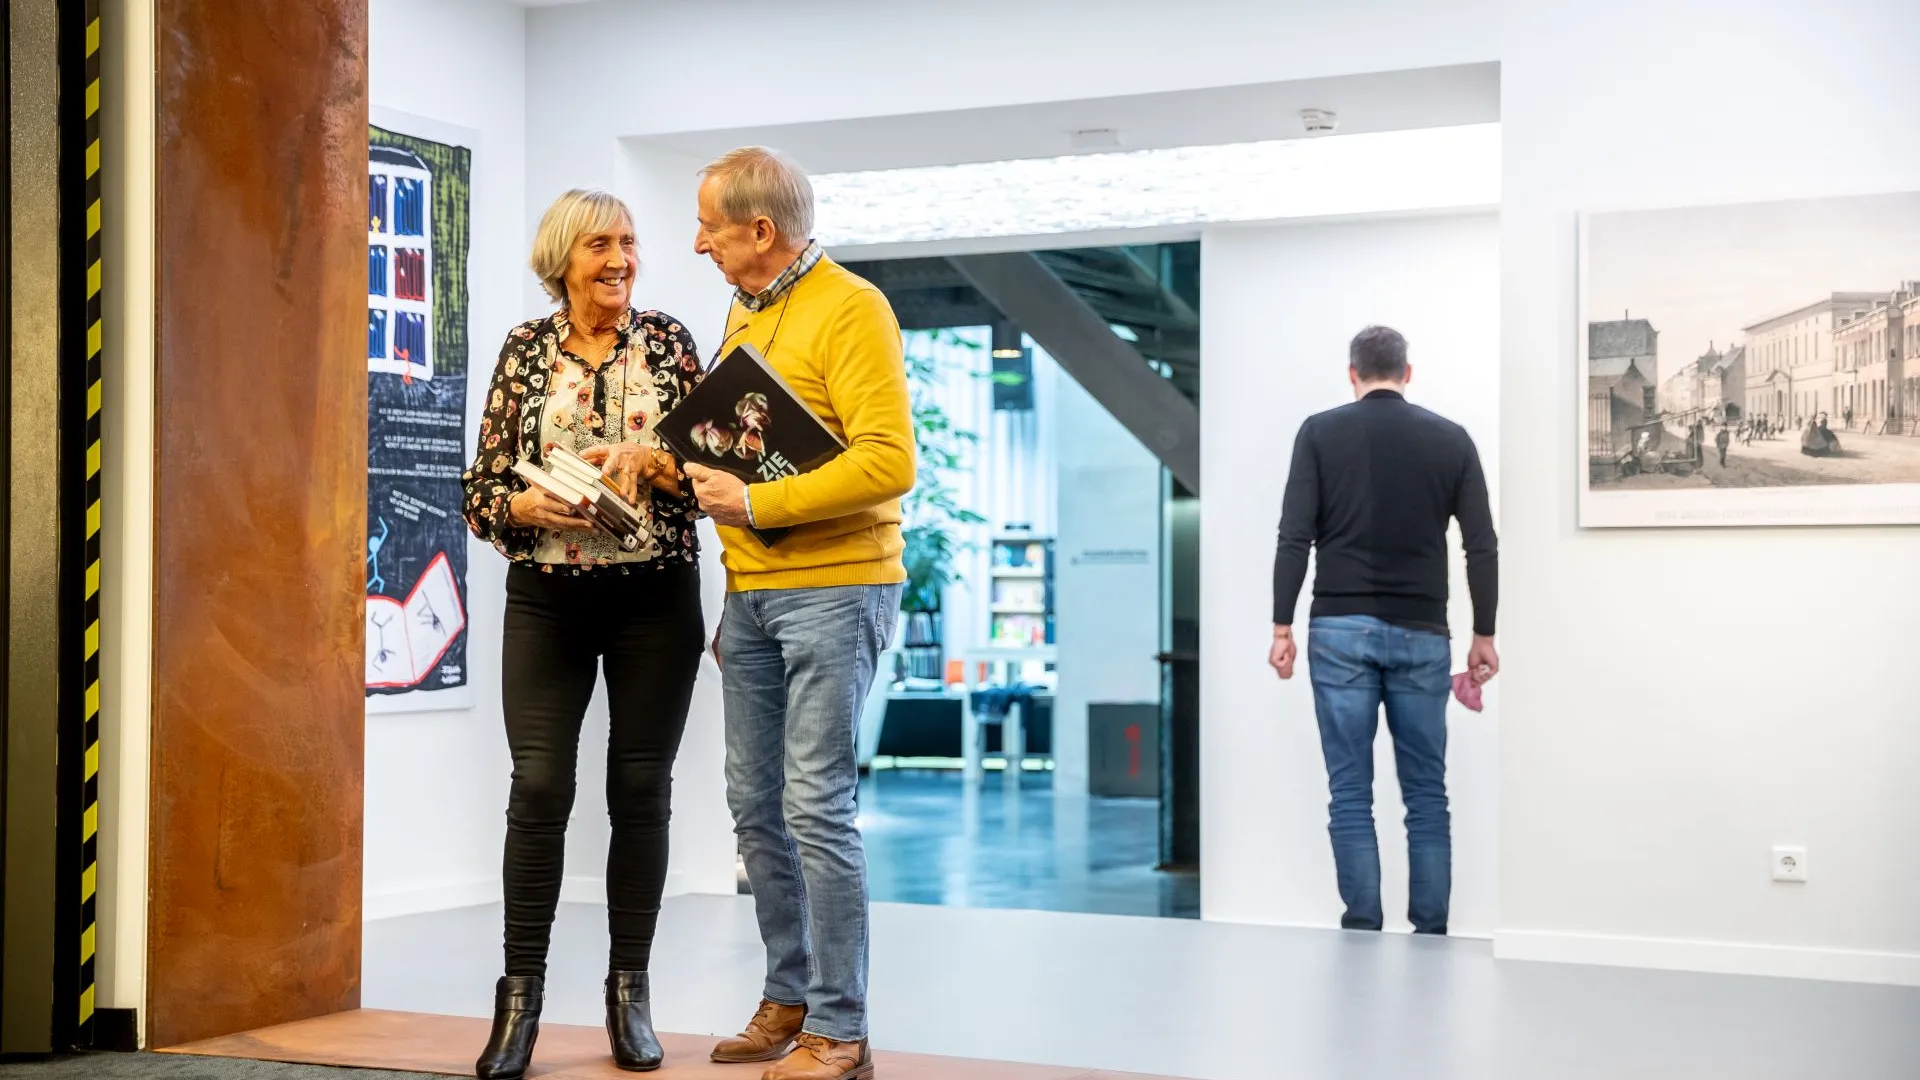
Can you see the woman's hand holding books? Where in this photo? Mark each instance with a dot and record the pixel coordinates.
(628, 466)
(537, 509)
(580, 490)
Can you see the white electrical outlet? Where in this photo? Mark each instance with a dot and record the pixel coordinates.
(1789, 864)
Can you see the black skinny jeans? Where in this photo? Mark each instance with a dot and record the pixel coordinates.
(645, 629)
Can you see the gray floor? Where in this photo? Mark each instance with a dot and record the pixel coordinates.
(175, 1067)
(1204, 1000)
(931, 838)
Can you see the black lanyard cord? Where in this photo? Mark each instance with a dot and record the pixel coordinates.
(785, 299)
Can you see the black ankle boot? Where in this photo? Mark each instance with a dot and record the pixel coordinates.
(516, 1024)
(630, 1022)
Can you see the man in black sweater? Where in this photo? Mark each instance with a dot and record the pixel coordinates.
(1372, 487)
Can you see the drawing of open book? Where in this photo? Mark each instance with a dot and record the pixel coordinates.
(405, 639)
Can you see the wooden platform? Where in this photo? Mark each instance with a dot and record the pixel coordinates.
(447, 1045)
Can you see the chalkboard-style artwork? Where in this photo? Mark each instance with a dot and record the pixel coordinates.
(417, 242)
(407, 639)
(744, 419)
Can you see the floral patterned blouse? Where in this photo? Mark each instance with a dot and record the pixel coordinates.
(542, 396)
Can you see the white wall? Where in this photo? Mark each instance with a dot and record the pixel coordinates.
(1667, 729)
(461, 803)
(660, 188)
(434, 835)
(436, 782)
(1279, 305)
(1106, 604)
(852, 58)
(126, 478)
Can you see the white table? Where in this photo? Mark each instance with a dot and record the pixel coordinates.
(1013, 730)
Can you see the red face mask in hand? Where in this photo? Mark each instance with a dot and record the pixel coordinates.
(1466, 691)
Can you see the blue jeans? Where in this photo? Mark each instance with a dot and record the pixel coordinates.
(1357, 664)
(796, 666)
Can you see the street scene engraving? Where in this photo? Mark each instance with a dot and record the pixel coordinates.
(1758, 346)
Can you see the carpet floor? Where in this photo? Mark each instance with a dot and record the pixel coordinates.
(180, 1067)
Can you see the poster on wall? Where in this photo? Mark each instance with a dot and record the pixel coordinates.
(1751, 364)
(417, 238)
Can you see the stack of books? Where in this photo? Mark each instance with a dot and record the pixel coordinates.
(568, 478)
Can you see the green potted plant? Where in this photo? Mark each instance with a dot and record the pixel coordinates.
(932, 514)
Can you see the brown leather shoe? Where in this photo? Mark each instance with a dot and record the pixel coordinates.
(816, 1058)
(767, 1037)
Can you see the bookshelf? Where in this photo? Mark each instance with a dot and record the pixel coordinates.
(923, 651)
(1020, 604)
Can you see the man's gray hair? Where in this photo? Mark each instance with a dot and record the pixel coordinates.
(758, 182)
(580, 212)
(1378, 354)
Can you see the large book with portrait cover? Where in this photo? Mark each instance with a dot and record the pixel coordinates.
(744, 419)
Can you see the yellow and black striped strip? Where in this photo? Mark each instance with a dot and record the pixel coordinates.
(90, 605)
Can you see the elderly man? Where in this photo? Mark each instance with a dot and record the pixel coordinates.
(805, 620)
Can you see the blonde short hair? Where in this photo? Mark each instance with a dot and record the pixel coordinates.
(758, 182)
(578, 213)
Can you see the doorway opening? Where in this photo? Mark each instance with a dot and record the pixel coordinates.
(1029, 745)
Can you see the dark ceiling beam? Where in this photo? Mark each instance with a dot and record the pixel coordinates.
(1137, 316)
(1079, 339)
(918, 313)
(892, 274)
(1122, 292)
(1173, 301)
(1122, 284)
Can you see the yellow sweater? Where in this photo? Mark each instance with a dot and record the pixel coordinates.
(839, 347)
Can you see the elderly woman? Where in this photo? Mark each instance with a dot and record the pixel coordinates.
(593, 377)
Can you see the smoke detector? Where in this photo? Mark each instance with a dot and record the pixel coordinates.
(1319, 121)
(1095, 139)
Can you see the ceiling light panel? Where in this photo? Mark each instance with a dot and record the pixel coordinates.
(1431, 168)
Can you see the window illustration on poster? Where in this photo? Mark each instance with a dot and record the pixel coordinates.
(417, 233)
